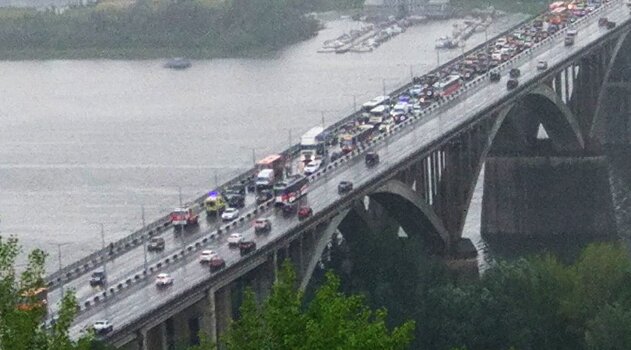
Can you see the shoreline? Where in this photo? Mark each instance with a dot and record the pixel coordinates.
(130, 54)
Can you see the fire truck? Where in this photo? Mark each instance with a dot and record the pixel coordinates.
(182, 217)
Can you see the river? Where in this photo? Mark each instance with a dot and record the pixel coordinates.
(89, 142)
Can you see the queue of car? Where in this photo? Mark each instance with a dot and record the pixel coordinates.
(379, 115)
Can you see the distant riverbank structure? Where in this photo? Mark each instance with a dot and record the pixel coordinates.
(57, 6)
(430, 8)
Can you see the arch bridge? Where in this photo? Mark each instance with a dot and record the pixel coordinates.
(543, 147)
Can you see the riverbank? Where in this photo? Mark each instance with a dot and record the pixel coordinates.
(196, 29)
(132, 54)
(530, 7)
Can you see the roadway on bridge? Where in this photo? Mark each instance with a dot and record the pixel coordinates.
(125, 307)
(120, 268)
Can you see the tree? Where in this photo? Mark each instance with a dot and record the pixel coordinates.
(331, 320)
(610, 329)
(22, 314)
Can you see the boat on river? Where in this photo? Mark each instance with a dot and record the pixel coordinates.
(178, 63)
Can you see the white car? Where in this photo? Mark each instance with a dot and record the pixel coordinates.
(234, 239)
(206, 256)
(387, 125)
(416, 109)
(102, 327)
(416, 90)
(230, 214)
(163, 280)
(542, 65)
(313, 166)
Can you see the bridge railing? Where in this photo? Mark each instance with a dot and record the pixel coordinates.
(342, 201)
(157, 227)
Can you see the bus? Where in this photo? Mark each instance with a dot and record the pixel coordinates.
(290, 189)
(312, 144)
(448, 85)
(379, 100)
(36, 298)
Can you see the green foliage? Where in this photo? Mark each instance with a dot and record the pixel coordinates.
(610, 329)
(195, 28)
(523, 6)
(21, 327)
(330, 321)
(532, 303)
(535, 303)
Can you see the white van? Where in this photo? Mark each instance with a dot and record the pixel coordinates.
(377, 114)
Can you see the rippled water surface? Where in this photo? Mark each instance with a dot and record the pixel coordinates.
(87, 142)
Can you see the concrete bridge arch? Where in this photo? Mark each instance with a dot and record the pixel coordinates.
(611, 123)
(516, 126)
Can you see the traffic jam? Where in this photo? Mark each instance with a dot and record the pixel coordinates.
(285, 182)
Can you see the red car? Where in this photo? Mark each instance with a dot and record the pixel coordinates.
(216, 263)
(305, 212)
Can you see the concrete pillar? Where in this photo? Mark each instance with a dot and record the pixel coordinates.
(180, 326)
(262, 279)
(141, 338)
(463, 260)
(295, 255)
(275, 262)
(209, 316)
(155, 338)
(539, 196)
(223, 307)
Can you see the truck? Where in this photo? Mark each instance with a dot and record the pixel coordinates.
(183, 217)
(270, 169)
(350, 140)
(313, 144)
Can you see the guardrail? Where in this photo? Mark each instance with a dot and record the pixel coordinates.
(124, 284)
(339, 203)
(157, 227)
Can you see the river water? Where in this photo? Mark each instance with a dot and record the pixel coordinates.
(89, 142)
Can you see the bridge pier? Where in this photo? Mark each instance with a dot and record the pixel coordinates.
(263, 279)
(463, 260)
(223, 308)
(209, 316)
(542, 196)
(155, 338)
(295, 255)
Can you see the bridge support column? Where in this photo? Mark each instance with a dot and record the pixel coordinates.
(155, 338)
(264, 278)
(141, 337)
(223, 307)
(463, 260)
(209, 317)
(542, 196)
(295, 255)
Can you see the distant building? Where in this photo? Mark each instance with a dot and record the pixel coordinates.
(57, 6)
(430, 8)
(438, 9)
